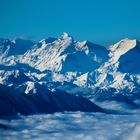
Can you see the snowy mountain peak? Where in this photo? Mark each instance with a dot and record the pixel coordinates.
(64, 59)
(121, 48)
(124, 45)
(52, 39)
(82, 43)
(65, 36)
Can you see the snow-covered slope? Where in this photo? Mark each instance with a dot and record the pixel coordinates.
(122, 69)
(65, 55)
(73, 66)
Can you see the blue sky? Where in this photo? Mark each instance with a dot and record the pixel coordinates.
(100, 21)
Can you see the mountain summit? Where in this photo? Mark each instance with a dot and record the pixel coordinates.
(66, 64)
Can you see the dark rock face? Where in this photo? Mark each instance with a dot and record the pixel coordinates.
(12, 102)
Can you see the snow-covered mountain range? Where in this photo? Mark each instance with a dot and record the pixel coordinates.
(71, 66)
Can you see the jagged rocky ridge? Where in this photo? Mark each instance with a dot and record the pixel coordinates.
(91, 70)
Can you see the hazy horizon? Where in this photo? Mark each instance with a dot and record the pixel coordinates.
(101, 22)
